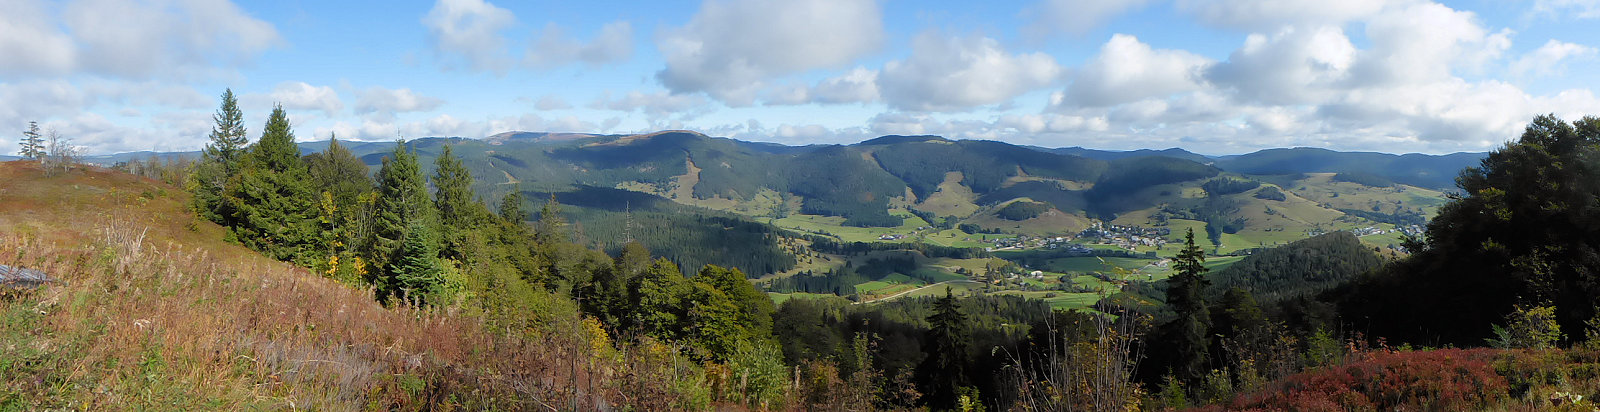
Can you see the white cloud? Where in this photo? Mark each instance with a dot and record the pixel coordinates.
(1128, 70)
(381, 100)
(1294, 66)
(1075, 16)
(137, 39)
(302, 96)
(1271, 15)
(656, 105)
(153, 38)
(859, 85)
(68, 107)
(1425, 42)
(1582, 9)
(614, 44)
(730, 49)
(552, 102)
(1549, 58)
(470, 30)
(960, 73)
(31, 41)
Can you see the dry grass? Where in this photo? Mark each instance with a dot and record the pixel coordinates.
(152, 312)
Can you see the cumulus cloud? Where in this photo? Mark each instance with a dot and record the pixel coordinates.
(554, 47)
(730, 49)
(1075, 16)
(302, 96)
(138, 39)
(859, 85)
(960, 73)
(1127, 70)
(1425, 42)
(1293, 66)
(1549, 58)
(381, 100)
(471, 31)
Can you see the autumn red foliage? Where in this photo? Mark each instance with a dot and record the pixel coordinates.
(1445, 379)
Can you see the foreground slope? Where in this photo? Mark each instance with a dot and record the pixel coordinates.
(150, 311)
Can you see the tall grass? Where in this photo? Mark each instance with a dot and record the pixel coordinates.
(135, 325)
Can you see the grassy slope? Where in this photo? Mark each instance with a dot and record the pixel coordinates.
(151, 314)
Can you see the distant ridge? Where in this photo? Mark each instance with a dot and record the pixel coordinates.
(1423, 170)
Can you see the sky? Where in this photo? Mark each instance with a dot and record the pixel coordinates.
(1209, 76)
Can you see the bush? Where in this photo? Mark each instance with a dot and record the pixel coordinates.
(1445, 379)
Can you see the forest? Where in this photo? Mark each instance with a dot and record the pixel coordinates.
(1196, 339)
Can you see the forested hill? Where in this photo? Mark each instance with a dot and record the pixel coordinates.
(1429, 171)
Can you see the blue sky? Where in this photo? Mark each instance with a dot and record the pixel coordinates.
(1210, 76)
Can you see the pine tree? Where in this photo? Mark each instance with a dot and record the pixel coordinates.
(276, 209)
(219, 162)
(1186, 296)
(32, 143)
(402, 202)
(946, 346)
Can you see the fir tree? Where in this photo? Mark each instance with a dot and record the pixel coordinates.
(219, 162)
(274, 204)
(402, 202)
(1185, 295)
(32, 143)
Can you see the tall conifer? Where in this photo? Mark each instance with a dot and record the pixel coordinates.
(219, 161)
(274, 204)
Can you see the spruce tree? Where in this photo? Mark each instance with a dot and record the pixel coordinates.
(454, 183)
(1187, 332)
(416, 272)
(274, 204)
(338, 171)
(340, 179)
(402, 202)
(32, 143)
(511, 207)
(944, 370)
(219, 161)
(453, 199)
